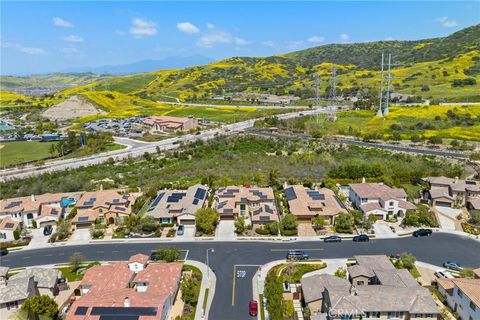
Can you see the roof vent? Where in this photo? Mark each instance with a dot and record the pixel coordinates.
(126, 302)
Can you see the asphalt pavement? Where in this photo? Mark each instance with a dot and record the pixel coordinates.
(230, 259)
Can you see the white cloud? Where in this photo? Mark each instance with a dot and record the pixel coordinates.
(187, 27)
(143, 28)
(240, 41)
(344, 37)
(73, 38)
(316, 39)
(59, 22)
(268, 43)
(120, 33)
(446, 22)
(210, 26)
(209, 40)
(19, 47)
(389, 39)
(295, 44)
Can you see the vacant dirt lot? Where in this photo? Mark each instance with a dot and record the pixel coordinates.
(72, 108)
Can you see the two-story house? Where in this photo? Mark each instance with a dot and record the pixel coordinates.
(451, 192)
(379, 199)
(108, 206)
(462, 295)
(256, 205)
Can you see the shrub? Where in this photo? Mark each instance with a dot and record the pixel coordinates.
(63, 229)
(262, 231)
(344, 222)
(167, 254)
(341, 272)
(76, 261)
(16, 234)
(206, 220)
(34, 224)
(40, 306)
(289, 233)
(240, 225)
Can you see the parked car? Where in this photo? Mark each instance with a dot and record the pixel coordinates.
(361, 238)
(47, 230)
(297, 255)
(253, 308)
(452, 265)
(443, 274)
(3, 252)
(332, 239)
(180, 230)
(422, 233)
(155, 256)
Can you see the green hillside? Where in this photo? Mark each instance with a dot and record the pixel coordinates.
(445, 68)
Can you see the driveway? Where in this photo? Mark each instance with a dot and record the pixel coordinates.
(38, 239)
(447, 217)
(80, 235)
(188, 233)
(382, 230)
(226, 230)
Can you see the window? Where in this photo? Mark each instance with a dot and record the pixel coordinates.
(473, 306)
(460, 293)
(391, 204)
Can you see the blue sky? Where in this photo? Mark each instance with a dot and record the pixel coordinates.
(39, 37)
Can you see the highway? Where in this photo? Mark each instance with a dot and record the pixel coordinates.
(241, 259)
(137, 148)
(382, 145)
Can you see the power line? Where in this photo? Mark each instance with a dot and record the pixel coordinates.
(387, 96)
(379, 112)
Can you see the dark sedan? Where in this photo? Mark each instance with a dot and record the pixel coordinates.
(332, 239)
(361, 238)
(422, 233)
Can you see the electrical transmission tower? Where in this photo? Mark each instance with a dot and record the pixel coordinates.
(317, 95)
(333, 84)
(379, 111)
(389, 81)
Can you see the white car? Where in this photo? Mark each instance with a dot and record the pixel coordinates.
(443, 274)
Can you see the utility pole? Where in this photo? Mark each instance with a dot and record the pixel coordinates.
(317, 96)
(333, 84)
(389, 78)
(379, 112)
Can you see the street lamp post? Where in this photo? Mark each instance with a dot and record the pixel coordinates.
(208, 267)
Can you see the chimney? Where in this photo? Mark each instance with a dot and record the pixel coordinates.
(363, 180)
(456, 180)
(126, 302)
(33, 197)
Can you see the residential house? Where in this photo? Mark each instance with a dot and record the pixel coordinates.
(114, 290)
(8, 226)
(374, 289)
(256, 205)
(305, 203)
(462, 295)
(451, 192)
(379, 200)
(178, 206)
(14, 293)
(46, 279)
(108, 206)
(27, 209)
(161, 124)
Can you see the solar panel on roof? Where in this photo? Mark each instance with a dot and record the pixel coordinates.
(340, 203)
(228, 211)
(172, 199)
(470, 182)
(9, 225)
(116, 200)
(195, 201)
(200, 193)
(124, 311)
(264, 218)
(120, 208)
(290, 194)
(156, 201)
(82, 218)
(54, 211)
(81, 311)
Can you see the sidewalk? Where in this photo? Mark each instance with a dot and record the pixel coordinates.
(209, 280)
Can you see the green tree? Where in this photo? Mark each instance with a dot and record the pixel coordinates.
(341, 272)
(148, 224)
(318, 222)
(76, 260)
(273, 293)
(206, 220)
(344, 222)
(272, 227)
(467, 273)
(289, 222)
(406, 261)
(63, 229)
(189, 291)
(40, 306)
(168, 254)
(240, 225)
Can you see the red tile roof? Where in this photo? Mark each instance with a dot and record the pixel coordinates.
(140, 258)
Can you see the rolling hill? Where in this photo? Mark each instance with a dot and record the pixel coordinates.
(445, 68)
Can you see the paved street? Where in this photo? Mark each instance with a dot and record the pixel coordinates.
(229, 255)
